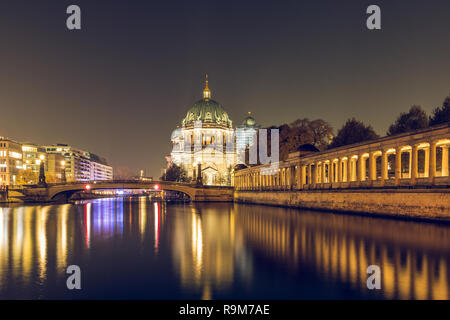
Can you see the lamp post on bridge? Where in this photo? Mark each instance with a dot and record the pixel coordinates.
(42, 171)
(199, 174)
(63, 173)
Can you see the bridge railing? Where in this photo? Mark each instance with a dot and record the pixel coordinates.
(124, 181)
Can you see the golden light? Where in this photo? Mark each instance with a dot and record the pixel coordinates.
(42, 157)
(63, 163)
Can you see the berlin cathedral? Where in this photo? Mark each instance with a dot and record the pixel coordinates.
(206, 145)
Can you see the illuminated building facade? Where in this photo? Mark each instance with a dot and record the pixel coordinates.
(54, 165)
(100, 170)
(31, 155)
(81, 165)
(10, 161)
(205, 139)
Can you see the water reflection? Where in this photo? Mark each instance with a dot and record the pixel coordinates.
(107, 218)
(414, 257)
(216, 251)
(205, 249)
(156, 224)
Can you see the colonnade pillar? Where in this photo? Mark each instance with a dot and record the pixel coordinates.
(432, 170)
(359, 176)
(349, 169)
(415, 164)
(398, 165)
(444, 167)
(372, 167)
(310, 180)
(331, 172)
(340, 167)
(322, 176)
(384, 165)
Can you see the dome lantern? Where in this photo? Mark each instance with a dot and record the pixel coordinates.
(206, 91)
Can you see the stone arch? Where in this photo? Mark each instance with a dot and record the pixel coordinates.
(66, 191)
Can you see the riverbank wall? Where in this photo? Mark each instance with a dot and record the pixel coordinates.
(431, 204)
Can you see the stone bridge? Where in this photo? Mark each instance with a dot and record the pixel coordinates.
(62, 192)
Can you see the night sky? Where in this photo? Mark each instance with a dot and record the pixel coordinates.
(119, 86)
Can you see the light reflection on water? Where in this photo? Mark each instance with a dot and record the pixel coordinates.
(135, 248)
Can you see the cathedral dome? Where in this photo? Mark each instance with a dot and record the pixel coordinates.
(208, 111)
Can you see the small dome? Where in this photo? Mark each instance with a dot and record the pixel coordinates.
(249, 121)
(239, 167)
(307, 148)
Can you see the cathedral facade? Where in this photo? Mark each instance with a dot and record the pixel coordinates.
(204, 145)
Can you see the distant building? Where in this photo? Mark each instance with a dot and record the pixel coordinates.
(82, 165)
(54, 165)
(100, 170)
(10, 161)
(31, 156)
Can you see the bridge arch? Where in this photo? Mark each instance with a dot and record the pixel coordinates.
(56, 191)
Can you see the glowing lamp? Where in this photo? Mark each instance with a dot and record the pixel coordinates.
(87, 187)
(156, 187)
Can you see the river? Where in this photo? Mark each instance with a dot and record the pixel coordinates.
(133, 248)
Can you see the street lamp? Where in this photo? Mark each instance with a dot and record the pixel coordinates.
(63, 174)
(194, 176)
(199, 174)
(42, 171)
